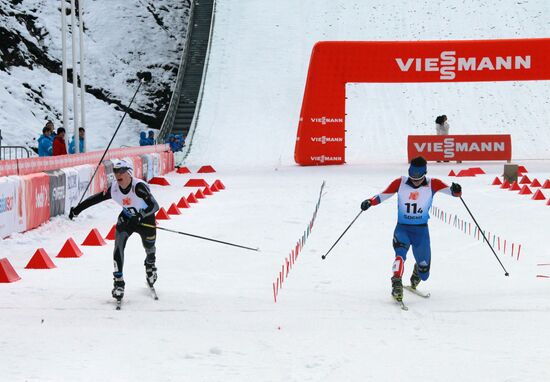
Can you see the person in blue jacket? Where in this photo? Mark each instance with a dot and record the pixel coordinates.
(45, 143)
(151, 138)
(143, 141)
(81, 134)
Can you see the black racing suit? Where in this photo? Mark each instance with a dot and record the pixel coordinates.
(123, 227)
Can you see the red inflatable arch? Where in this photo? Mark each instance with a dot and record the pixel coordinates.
(321, 130)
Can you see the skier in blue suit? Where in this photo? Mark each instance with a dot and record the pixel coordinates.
(414, 199)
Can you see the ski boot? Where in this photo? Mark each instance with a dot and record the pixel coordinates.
(150, 274)
(397, 288)
(415, 277)
(118, 288)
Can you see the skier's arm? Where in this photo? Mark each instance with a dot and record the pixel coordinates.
(90, 201)
(438, 186)
(142, 191)
(383, 196)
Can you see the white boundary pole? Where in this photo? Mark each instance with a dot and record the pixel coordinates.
(82, 83)
(64, 60)
(75, 77)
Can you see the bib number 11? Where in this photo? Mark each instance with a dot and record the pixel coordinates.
(414, 208)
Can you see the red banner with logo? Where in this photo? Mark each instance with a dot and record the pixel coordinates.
(37, 199)
(321, 130)
(460, 147)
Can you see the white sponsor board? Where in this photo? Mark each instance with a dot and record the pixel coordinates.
(8, 206)
(71, 188)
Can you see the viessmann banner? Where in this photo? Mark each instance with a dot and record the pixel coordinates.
(320, 138)
(460, 147)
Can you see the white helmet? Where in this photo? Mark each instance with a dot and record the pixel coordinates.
(121, 165)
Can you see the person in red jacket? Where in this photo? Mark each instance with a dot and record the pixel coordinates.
(59, 145)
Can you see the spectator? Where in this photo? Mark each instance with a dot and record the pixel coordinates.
(59, 146)
(441, 125)
(151, 137)
(143, 141)
(49, 126)
(180, 142)
(81, 136)
(45, 143)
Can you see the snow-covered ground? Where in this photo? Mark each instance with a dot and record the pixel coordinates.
(121, 39)
(334, 319)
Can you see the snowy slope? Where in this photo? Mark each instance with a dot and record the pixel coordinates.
(255, 87)
(334, 320)
(121, 38)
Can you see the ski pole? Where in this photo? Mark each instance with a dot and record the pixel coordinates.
(333, 245)
(199, 237)
(146, 76)
(483, 233)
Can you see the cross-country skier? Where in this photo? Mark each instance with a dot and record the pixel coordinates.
(138, 206)
(414, 199)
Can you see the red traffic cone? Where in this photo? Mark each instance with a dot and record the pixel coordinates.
(183, 170)
(522, 169)
(476, 170)
(70, 249)
(7, 273)
(465, 173)
(192, 199)
(525, 180)
(546, 184)
(525, 190)
(94, 239)
(452, 173)
(173, 210)
(548, 202)
(162, 215)
(199, 194)
(183, 203)
(195, 183)
(505, 184)
(205, 169)
(207, 191)
(219, 184)
(538, 196)
(535, 183)
(111, 234)
(214, 188)
(40, 260)
(497, 181)
(514, 187)
(159, 180)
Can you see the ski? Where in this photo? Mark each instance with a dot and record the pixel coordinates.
(417, 292)
(153, 293)
(401, 304)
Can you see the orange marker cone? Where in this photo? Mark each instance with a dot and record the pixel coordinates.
(162, 215)
(525, 180)
(192, 199)
(207, 191)
(40, 260)
(111, 234)
(173, 210)
(538, 196)
(205, 169)
(70, 249)
(183, 170)
(214, 188)
(497, 181)
(514, 187)
(452, 173)
(183, 203)
(7, 273)
(505, 184)
(535, 183)
(159, 180)
(525, 190)
(546, 184)
(94, 239)
(199, 194)
(195, 183)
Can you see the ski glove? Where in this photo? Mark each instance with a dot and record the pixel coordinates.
(456, 189)
(74, 212)
(366, 204)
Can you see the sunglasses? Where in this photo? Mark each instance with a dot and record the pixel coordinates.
(120, 170)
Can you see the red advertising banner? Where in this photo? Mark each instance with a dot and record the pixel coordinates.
(320, 138)
(37, 199)
(460, 147)
(34, 165)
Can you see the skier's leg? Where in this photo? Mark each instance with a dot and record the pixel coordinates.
(121, 237)
(422, 251)
(148, 239)
(401, 244)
